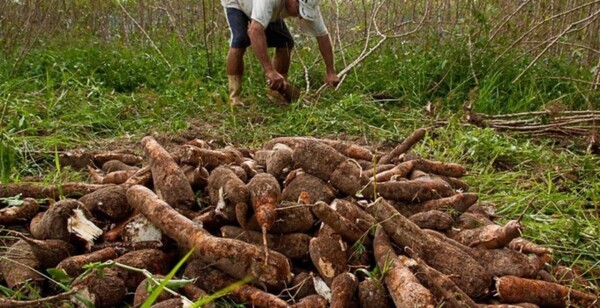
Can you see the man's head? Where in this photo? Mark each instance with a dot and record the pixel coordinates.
(305, 9)
(309, 9)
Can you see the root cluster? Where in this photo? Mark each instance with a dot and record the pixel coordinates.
(302, 222)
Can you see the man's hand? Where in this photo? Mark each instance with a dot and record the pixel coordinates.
(332, 80)
(326, 50)
(275, 81)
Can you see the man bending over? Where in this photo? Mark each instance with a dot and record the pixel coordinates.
(259, 23)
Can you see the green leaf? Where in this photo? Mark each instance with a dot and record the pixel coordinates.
(13, 201)
(207, 299)
(175, 284)
(59, 275)
(156, 292)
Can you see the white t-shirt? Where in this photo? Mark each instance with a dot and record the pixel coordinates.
(266, 11)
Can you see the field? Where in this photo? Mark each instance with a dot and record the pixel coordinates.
(100, 75)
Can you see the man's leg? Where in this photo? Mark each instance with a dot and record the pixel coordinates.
(235, 61)
(279, 36)
(238, 24)
(235, 72)
(282, 60)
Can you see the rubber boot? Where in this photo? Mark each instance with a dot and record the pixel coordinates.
(235, 90)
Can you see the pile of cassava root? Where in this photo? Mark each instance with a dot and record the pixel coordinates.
(305, 222)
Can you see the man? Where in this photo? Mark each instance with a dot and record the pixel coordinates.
(259, 23)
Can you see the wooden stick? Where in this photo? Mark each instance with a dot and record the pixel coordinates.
(37, 191)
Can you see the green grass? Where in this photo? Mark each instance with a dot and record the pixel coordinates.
(88, 94)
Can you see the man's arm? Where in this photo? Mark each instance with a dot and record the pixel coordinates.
(326, 50)
(256, 31)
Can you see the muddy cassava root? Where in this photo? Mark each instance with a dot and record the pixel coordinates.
(469, 275)
(234, 257)
(170, 183)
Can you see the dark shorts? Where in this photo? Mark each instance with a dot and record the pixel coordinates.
(278, 34)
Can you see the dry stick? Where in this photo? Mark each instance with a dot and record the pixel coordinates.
(234, 257)
(536, 113)
(368, 25)
(471, 65)
(41, 302)
(306, 76)
(591, 17)
(535, 121)
(512, 45)
(575, 45)
(29, 43)
(505, 21)
(594, 87)
(547, 126)
(337, 32)
(591, 83)
(33, 190)
(404, 146)
(146, 35)
(174, 24)
(513, 289)
(365, 54)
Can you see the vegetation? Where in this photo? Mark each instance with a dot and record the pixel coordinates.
(92, 73)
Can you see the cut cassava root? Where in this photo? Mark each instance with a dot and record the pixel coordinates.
(301, 222)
